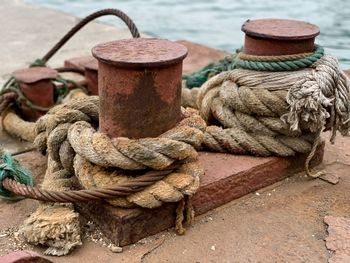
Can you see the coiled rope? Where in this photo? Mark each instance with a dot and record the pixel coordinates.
(273, 113)
(124, 172)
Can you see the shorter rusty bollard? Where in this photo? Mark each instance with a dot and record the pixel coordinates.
(274, 37)
(139, 86)
(91, 77)
(36, 85)
(89, 66)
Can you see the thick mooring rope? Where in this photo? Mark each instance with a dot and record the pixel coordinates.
(273, 113)
(124, 172)
(65, 130)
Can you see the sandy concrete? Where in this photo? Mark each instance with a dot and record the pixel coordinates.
(281, 223)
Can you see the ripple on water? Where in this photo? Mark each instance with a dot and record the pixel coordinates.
(218, 23)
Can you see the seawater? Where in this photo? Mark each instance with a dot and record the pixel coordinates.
(218, 23)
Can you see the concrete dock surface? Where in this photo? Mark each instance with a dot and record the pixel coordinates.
(281, 223)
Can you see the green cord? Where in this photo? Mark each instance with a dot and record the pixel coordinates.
(11, 168)
(286, 65)
(197, 79)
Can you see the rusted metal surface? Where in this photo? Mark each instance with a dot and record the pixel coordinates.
(273, 37)
(139, 86)
(34, 74)
(36, 85)
(79, 62)
(141, 52)
(91, 76)
(89, 66)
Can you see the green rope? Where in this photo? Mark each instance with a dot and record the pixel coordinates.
(38, 63)
(196, 79)
(286, 65)
(11, 168)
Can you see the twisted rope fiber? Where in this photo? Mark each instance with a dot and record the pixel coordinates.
(113, 169)
(273, 113)
(53, 132)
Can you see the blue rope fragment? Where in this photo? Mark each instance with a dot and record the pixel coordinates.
(11, 168)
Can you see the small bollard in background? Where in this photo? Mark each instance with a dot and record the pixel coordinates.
(91, 76)
(36, 85)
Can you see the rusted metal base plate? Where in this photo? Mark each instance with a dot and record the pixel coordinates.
(227, 177)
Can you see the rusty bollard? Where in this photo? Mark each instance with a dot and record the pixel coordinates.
(89, 66)
(139, 86)
(274, 37)
(91, 76)
(36, 85)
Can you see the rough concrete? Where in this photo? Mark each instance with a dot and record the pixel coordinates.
(281, 223)
(338, 239)
(24, 257)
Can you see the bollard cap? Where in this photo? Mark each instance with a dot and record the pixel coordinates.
(282, 29)
(140, 52)
(34, 74)
(278, 36)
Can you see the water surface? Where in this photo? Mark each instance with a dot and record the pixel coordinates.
(217, 23)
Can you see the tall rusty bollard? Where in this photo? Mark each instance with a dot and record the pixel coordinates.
(36, 85)
(139, 86)
(275, 37)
